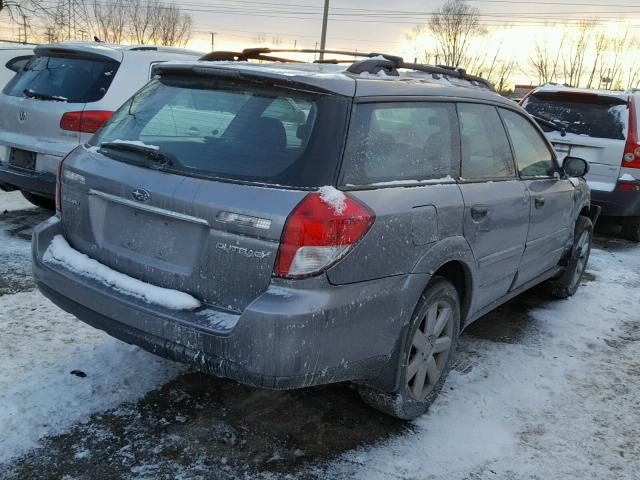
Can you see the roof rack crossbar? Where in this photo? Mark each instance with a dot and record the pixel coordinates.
(371, 63)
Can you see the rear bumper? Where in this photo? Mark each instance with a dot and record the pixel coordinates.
(40, 183)
(619, 203)
(287, 338)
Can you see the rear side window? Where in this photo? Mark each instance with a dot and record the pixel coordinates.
(74, 79)
(235, 131)
(533, 157)
(485, 148)
(394, 142)
(591, 115)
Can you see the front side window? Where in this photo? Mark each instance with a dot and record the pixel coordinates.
(533, 156)
(68, 78)
(395, 142)
(231, 131)
(485, 148)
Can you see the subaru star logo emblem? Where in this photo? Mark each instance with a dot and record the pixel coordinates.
(141, 195)
(22, 116)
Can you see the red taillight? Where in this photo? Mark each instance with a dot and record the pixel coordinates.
(319, 232)
(631, 157)
(631, 187)
(86, 122)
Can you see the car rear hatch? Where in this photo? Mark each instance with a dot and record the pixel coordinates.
(596, 129)
(57, 80)
(190, 183)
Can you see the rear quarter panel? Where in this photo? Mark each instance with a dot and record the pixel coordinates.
(409, 222)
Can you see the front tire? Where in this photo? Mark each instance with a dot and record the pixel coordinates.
(39, 201)
(567, 283)
(427, 355)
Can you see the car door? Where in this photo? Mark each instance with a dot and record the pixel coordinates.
(496, 214)
(551, 197)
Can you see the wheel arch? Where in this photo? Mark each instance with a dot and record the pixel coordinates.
(453, 259)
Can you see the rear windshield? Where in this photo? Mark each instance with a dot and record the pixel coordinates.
(71, 79)
(594, 117)
(235, 131)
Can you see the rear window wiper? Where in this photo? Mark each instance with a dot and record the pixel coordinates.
(30, 93)
(545, 122)
(152, 153)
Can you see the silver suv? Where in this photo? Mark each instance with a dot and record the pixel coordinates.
(600, 126)
(59, 99)
(289, 225)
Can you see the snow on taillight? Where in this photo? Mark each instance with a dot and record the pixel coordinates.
(319, 232)
(631, 157)
(89, 121)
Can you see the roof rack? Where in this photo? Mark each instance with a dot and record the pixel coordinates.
(371, 63)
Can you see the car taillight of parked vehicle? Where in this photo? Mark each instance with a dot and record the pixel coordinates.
(58, 184)
(631, 158)
(89, 121)
(317, 234)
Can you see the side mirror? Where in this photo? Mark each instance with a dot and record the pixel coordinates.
(16, 64)
(575, 167)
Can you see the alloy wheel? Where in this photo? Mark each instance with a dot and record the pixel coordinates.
(430, 349)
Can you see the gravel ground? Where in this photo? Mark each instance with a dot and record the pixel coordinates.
(541, 389)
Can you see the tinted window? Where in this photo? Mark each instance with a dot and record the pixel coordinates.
(485, 148)
(400, 141)
(234, 131)
(533, 156)
(590, 115)
(78, 80)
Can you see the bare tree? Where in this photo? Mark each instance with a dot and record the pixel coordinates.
(600, 47)
(109, 20)
(546, 60)
(454, 26)
(16, 8)
(143, 20)
(619, 45)
(575, 53)
(173, 25)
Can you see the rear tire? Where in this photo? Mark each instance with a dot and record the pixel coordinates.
(427, 355)
(631, 229)
(567, 283)
(39, 201)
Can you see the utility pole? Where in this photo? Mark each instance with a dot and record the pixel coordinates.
(213, 40)
(323, 38)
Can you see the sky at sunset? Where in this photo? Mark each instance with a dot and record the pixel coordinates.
(514, 26)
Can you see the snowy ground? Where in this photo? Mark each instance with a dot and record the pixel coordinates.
(542, 389)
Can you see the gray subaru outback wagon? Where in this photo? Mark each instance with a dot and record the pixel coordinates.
(290, 224)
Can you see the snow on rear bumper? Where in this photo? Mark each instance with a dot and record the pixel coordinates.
(286, 338)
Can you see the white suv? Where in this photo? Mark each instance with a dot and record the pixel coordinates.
(600, 126)
(59, 99)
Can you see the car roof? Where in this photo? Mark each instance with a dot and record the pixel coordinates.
(16, 46)
(555, 88)
(336, 79)
(113, 51)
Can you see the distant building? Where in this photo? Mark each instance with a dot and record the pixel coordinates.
(520, 91)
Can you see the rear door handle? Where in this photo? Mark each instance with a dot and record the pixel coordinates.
(539, 201)
(479, 211)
